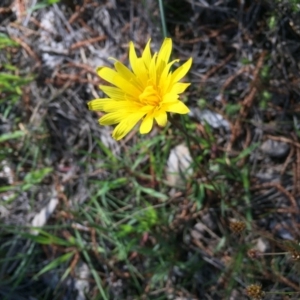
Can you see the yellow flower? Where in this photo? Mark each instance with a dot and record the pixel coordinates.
(146, 93)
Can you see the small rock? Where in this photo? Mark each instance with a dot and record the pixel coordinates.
(179, 165)
(41, 218)
(3, 212)
(82, 280)
(262, 245)
(213, 119)
(198, 231)
(6, 173)
(275, 149)
(235, 294)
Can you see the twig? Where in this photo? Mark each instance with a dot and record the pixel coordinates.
(214, 69)
(83, 57)
(28, 49)
(87, 42)
(287, 161)
(280, 188)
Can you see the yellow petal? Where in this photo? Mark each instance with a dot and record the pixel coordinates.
(113, 92)
(112, 118)
(165, 74)
(147, 108)
(162, 119)
(178, 107)
(146, 56)
(113, 77)
(147, 123)
(170, 97)
(128, 75)
(123, 70)
(132, 54)
(137, 65)
(133, 59)
(163, 56)
(97, 104)
(152, 69)
(181, 71)
(126, 125)
(124, 106)
(165, 51)
(179, 88)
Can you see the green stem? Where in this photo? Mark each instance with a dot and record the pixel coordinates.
(162, 16)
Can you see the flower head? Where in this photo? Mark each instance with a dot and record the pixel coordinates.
(255, 291)
(146, 92)
(237, 226)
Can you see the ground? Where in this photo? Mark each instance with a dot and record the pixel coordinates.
(86, 217)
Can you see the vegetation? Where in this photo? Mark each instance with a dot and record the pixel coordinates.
(85, 217)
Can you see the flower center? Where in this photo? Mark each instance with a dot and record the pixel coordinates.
(150, 96)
